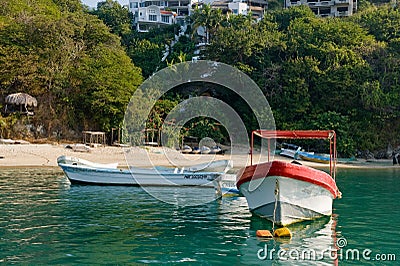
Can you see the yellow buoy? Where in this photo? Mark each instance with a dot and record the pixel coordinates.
(283, 232)
(264, 233)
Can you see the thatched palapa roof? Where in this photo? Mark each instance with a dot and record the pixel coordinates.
(21, 99)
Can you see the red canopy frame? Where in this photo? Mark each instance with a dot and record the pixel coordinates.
(299, 134)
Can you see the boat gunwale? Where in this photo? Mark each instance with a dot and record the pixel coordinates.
(150, 171)
(289, 170)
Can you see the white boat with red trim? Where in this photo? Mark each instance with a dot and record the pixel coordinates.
(285, 192)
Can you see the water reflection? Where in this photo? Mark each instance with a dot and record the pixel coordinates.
(312, 243)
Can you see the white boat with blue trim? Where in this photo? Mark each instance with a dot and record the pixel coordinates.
(103, 174)
(317, 158)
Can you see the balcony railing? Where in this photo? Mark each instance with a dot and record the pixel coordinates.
(294, 3)
(322, 3)
(338, 2)
(341, 13)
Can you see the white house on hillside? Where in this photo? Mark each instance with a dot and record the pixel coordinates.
(327, 8)
(149, 13)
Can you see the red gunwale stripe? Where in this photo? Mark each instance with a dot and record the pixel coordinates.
(290, 170)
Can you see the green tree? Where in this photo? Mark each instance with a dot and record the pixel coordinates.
(208, 18)
(69, 60)
(149, 50)
(118, 18)
(147, 55)
(382, 22)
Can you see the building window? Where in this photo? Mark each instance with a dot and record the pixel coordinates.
(152, 11)
(235, 11)
(152, 17)
(142, 27)
(165, 19)
(142, 4)
(134, 4)
(324, 11)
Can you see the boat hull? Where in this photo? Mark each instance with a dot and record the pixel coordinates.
(136, 177)
(288, 153)
(286, 193)
(313, 158)
(225, 185)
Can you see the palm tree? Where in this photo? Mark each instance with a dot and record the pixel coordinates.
(208, 18)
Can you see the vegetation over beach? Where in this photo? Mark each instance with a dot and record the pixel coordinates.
(317, 73)
(69, 60)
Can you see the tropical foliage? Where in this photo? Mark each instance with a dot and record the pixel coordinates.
(321, 73)
(317, 73)
(69, 60)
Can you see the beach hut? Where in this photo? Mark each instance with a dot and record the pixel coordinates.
(19, 102)
(94, 138)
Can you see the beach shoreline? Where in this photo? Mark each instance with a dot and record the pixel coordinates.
(45, 155)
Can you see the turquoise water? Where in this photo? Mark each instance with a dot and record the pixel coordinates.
(44, 220)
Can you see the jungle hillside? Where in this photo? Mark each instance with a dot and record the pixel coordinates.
(83, 65)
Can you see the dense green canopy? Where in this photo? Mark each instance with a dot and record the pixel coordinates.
(69, 61)
(322, 73)
(317, 73)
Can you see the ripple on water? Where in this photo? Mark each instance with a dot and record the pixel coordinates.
(44, 220)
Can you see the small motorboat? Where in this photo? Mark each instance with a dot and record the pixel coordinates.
(86, 172)
(289, 150)
(186, 149)
(215, 149)
(205, 150)
(7, 141)
(317, 158)
(285, 192)
(196, 150)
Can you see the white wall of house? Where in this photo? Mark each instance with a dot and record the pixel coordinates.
(238, 8)
(327, 8)
(151, 13)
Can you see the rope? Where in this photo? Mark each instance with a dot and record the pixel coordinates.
(276, 203)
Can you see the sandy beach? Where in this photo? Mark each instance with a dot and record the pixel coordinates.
(45, 155)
